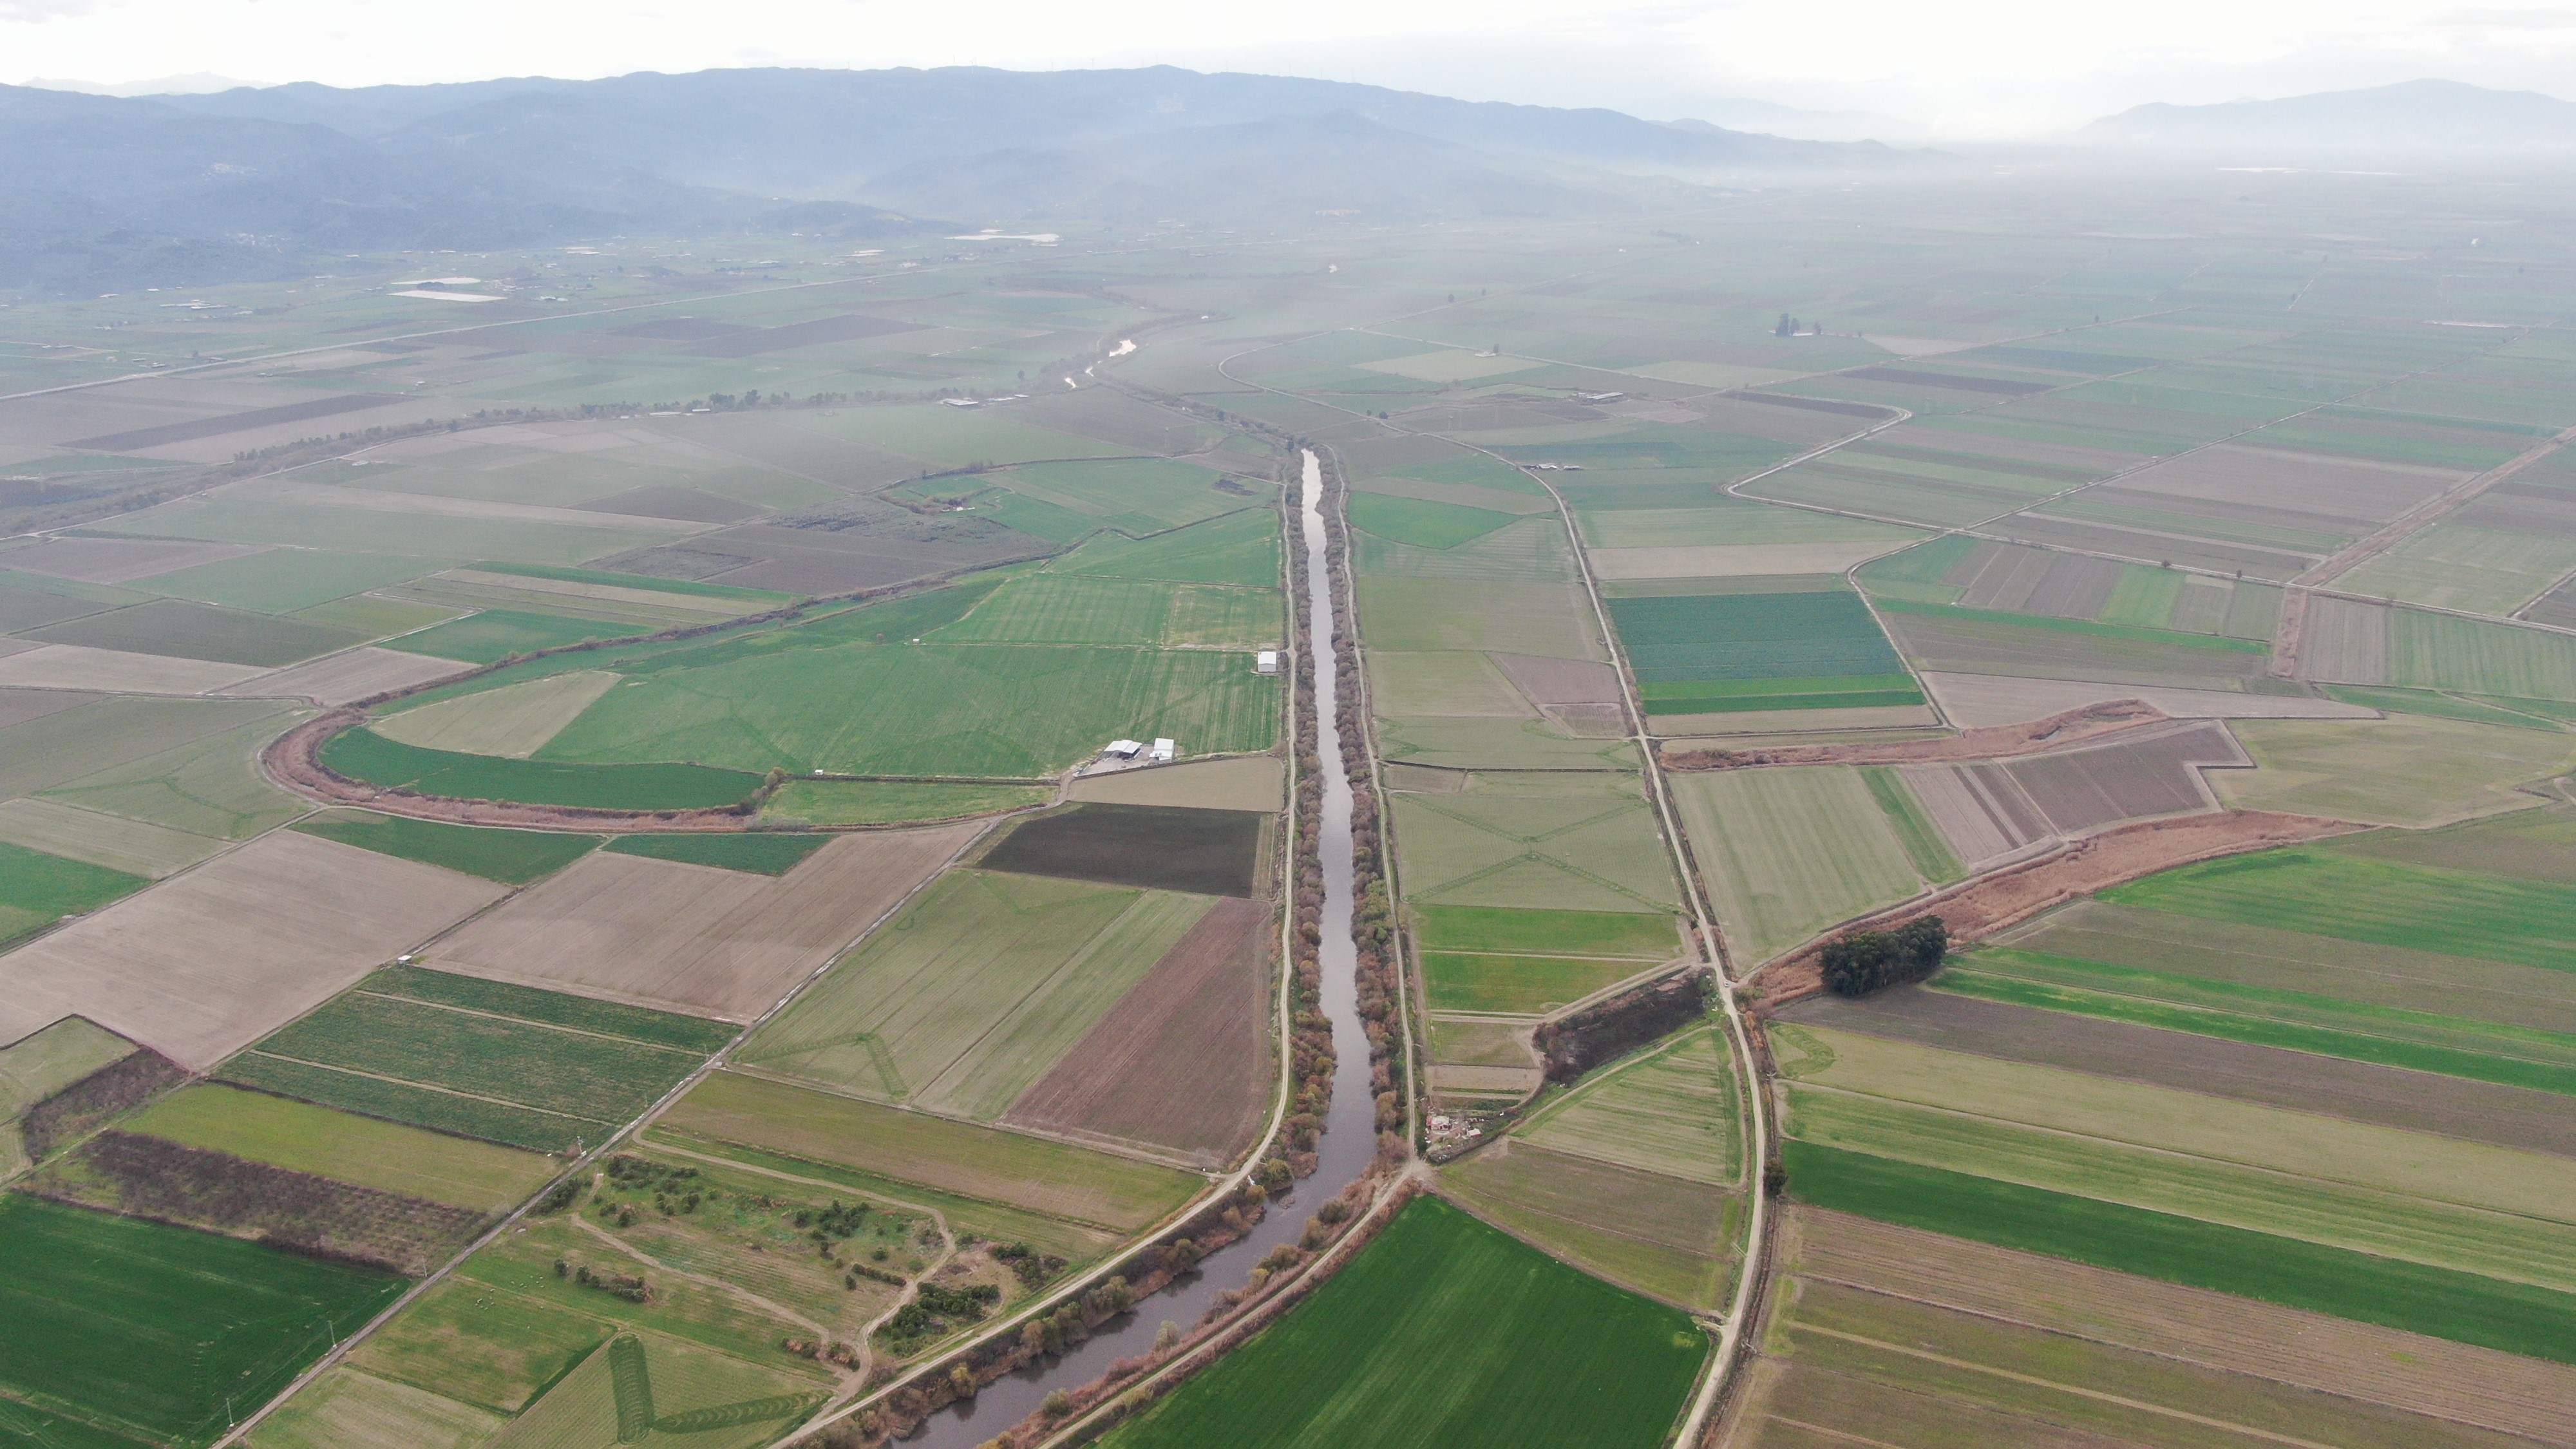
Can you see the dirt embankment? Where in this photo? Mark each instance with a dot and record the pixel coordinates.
(1984, 743)
(294, 760)
(1975, 909)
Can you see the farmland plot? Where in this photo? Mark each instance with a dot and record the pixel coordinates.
(2409, 770)
(1789, 852)
(692, 938)
(1535, 841)
(1715, 653)
(199, 966)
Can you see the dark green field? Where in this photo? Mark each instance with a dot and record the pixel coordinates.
(495, 634)
(367, 756)
(153, 1334)
(2441, 1302)
(513, 857)
(553, 1008)
(415, 1106)
(1713, 653)
(2387, 903)
(37, 889)
(1444, 1334)
(765, 852)
(1420, 523)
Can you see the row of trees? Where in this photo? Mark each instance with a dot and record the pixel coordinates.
(1857, 963)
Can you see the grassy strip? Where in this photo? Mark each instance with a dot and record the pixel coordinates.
(1932, 857)
(512, 857)
(1738, 703)
(553, 1008)
(369, 757)
(2320, 1041)
(1443, 1332)
(2077, 626)
(1528, 985)
(2386, 903)
(2412, 1297)
(890, 802)
(2434, 703)
(768, 852)
(37, 889)
(653, 582)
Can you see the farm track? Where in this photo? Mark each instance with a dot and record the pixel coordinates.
(2091, 724)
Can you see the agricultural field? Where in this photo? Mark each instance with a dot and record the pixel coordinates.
(1788, 852)
(507, 1064)
(1721, 653)
(1427, 1339)
(1512, 961)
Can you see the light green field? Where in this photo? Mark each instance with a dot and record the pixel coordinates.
(2422, 1230)
(2331, 1149)
(1240, 548)
(305, 1138)
(1585, 846)
(994, 710)
(2437, 651)
(1208, 617)
(209, 787)
(2410, 770)
(368, 530)
(965, 999)
(1033, 1174)
(1491, 742)
(889, 802)
(635, 1388)
(104, 840)
(1514, 618)
(53, 750)
(2463, 566)
(1673, 1112)
(41, 1063)
(1789, 852)
(282, 580)
(1658, 1235)
(1454, 682)
(1132, 495)
(347, 1409)
(514, 721)
(1066, 609)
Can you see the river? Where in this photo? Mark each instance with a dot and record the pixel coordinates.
(1350, 1127)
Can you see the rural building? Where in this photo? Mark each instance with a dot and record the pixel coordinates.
(1163, 750)
(1266, 662)
(1124, 749)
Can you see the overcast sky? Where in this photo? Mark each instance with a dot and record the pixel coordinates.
(1962, 69)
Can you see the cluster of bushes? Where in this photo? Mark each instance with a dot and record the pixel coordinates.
(1031, 1266)
(1629, 1020)
(110, 1092)
(622, 1285)
(935, 1312)
(1857, 963)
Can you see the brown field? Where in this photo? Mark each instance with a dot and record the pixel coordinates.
(1978, 808)
(361, 673)
(2500, 1391)
(1990, 743)
(2291, 961)
(117, 560)
(208, 962)
(17, 706)
(1255, 782)
(1977, 646)
(1996, 445)
(1560, 681)
(2140, 776)
(2272, 1076)
(1978, 701)
(2337, 639)
(1183, 1060)
(1705, 561)
(1657, 1234)
(77, 666)
(1465, 1080)
(2274, 480)
(694, 938)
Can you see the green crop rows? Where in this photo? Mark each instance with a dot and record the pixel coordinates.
(513, 857)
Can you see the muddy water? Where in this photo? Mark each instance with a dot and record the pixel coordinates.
(1350, 1135)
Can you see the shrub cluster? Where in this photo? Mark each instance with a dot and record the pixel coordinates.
(1631, 1019)
(622, 1285)
(1859, 962)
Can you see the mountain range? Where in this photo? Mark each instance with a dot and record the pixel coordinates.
(2387, 122)
(107, 191)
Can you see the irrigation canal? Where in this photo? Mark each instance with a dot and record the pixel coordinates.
(1350, 1127)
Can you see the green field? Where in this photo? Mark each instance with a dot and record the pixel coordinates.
(364, 755)
(1420, 523)
(1673, 1112)
(146, 1334)
(513, 857)
(632, 1388)
(1068, 609)
(492, 635)
(1790, 852)
(966, 998)
(763, 852)
(2463, 1307)
(37, 889)
(1033, 1174)
(1572, 843)
(891, 802)
(1240, 548)
(1506, 931)
(1444, 1332)
(1711, 653)
(510, 1064)
(210, 787)
(301, 1137)
(185, 630)
(2437, 651)
(2388, 903)
(347, 1409)
(1515, 985)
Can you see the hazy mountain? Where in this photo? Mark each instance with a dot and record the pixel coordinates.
(192, 84)
(1771, 119)
(2416, 116)
(103, 192)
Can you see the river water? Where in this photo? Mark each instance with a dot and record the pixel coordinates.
(1350, 1127)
